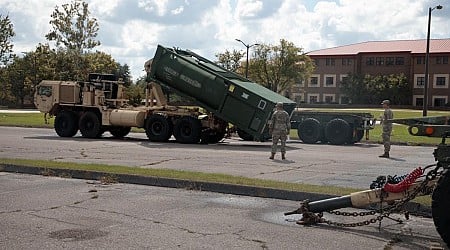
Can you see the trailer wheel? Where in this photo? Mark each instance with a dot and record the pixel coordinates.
(66, 124)
(158, 128)
(244, 135)
(119, 132)
(213, 136)
(187, 130)
(439, 206)
(337, 131)
(309, 130)
(359, 135)
(90, 126)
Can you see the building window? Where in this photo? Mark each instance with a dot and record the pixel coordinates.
(419, 80)
(399, 61)
(330, 81)
(313, 98)
(440, 81)
(370, 61)
(420, 60)
(439, 101)
(380, 61)
(329, 61)
(299, 98)
(418, 100)
(316, 62)
(344, 78)
(328, 98)
(346, 61)
(314, 81)
(389, 60)
(442, 60)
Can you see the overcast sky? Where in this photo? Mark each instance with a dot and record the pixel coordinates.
(130, 30)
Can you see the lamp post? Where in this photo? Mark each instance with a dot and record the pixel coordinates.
(427, 56)
(248, 47)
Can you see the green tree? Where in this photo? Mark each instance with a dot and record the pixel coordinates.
(6, 33)
(73, 28)
(230, 60)
(123, 71)
(370, 89)
(280, 66)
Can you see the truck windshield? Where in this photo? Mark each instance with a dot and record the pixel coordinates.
(45, 90)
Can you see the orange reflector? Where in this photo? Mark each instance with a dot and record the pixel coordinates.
(429, 130)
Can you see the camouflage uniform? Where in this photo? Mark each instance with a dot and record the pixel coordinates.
(279, 126)
(387, 128)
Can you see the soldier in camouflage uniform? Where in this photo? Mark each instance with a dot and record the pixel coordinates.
(279, 127)
(387, 128)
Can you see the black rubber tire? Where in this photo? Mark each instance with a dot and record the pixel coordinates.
(90, 126)
(359, 135)
(337, 131)
(210, 137)
(244, 135)
(66, 124)
(158, 128)
(309, 130)
(440, 205)
(187, 130)
(119, 132)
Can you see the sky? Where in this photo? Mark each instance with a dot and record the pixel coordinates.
(130, 30)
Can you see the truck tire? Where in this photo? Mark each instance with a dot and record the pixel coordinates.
(309, 130)
(187, 130)
(439, 206)
(244, 135)
(211, 136)
(337, 131)
(119, 132)
(158, 128)
(66, 124)
(90, 126)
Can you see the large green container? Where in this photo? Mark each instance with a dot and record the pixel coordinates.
(229, 96)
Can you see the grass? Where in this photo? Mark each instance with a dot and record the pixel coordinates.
(183, 175)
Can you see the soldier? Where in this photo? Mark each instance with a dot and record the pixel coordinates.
(279, 127)
(387, 128)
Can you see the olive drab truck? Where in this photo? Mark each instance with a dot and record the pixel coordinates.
(99, 104)
(391, 193)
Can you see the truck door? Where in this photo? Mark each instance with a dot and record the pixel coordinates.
(44, 98)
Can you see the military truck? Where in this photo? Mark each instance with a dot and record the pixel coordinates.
(392, 193)
(331, 127)
(222, 98)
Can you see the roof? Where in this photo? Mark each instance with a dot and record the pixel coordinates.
(412, 46)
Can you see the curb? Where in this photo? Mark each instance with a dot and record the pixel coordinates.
(234, 189)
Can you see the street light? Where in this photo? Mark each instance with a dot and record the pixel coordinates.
(248, 47)
(427, 55)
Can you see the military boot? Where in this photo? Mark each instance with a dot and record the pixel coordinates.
(272, 156)
(283, 156)
(385, 155)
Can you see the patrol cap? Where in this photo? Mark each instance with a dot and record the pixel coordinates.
(279, 104)
(385, 102)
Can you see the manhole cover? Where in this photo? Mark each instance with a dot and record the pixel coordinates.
(77, 234)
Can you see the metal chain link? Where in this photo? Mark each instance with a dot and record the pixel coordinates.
(386, 211)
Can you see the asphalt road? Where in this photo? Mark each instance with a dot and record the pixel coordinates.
(344, 166)
(38, 212)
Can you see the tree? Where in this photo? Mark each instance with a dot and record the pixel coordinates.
(123, 71)
(370, 89)
(230, 60)
(6, 33)
(73, 28)
(281, 66)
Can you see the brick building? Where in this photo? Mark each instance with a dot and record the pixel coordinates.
(378, 58)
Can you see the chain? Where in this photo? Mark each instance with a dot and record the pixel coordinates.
(386, 211)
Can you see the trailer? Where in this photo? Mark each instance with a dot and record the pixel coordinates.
(228, 96)
(222, 98)
(331, 127)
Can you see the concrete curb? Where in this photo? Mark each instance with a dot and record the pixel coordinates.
(235, 189)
